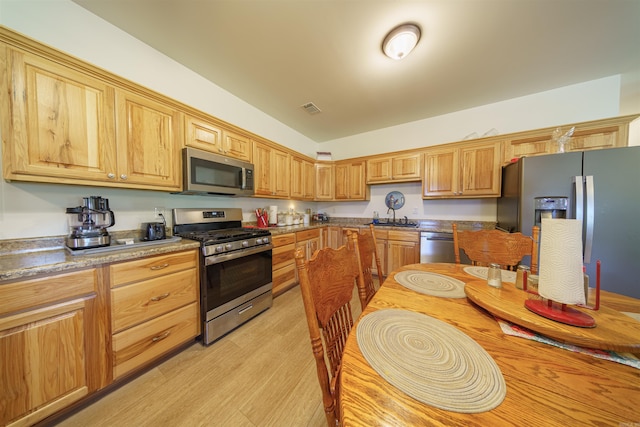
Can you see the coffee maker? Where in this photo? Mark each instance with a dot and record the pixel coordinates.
(88, 224)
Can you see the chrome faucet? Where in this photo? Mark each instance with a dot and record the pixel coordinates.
(394, 215)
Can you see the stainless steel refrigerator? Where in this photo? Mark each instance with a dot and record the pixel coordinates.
(603, 188)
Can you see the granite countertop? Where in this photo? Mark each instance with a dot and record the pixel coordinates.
(23, 258)
(443, 226)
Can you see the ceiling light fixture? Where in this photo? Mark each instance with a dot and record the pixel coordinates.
(401, 40)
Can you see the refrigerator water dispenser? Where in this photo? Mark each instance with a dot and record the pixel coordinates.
(550, 207)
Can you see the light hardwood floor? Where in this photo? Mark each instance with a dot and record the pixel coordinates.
(261, 374)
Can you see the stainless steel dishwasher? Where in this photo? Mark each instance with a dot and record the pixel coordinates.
(438, 247)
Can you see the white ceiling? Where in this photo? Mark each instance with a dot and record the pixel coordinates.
(280, 54)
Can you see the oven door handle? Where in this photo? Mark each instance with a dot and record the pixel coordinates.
(217, 259)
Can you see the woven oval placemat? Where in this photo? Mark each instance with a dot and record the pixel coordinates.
(431, 361)
(481, 273)
(431, 283)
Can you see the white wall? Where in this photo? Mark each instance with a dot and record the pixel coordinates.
(33, 210)
(414, 207)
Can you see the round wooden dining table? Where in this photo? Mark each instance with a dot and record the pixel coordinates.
(545, 385)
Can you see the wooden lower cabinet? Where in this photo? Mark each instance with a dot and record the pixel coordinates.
(144, 343)
(283, 262)
(381, 246)
(334, 237)
(397, 248)
(403, 251)
(309, 241)
(154, 308)
(48, 350)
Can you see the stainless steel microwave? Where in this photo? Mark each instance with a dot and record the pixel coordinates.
(211, 174)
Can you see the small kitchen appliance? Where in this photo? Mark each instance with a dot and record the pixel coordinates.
(153, 231)
(88, 224)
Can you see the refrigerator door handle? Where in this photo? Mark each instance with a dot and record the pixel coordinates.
(578, 184)
(588, 244)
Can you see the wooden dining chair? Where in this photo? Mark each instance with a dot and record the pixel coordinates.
(327, 281)
(484, 247)
(366, 253)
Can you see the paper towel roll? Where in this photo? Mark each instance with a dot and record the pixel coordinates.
(561, 277)
(273, 215)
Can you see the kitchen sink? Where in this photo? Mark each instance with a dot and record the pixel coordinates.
(396, 224)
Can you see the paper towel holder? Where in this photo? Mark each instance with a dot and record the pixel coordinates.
(561, 312)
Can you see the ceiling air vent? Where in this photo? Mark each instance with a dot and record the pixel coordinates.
(311, 108)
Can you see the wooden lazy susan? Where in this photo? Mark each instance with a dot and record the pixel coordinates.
(614, 330)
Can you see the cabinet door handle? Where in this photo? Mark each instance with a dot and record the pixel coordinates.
(160, 267)
(160, 337)
(160, 297)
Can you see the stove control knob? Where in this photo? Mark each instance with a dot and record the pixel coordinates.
(264, 240)
(219, 248)
(228, 246)
(245, 244)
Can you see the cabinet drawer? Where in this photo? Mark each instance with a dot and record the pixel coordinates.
(404, 236)
(283, 239)
(143, 343)
(44, 290)
(381, 234)
(283, 255)
(308, 234)
(147, 268)
(284, 277)
(141, 301)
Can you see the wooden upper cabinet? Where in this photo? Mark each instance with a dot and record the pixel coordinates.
(324, 181)
(480, 171)
(440, 175)
(68, 127)
(594, 135)
(237, 146)
(208, 136)
(341, 180)
(350, 181)
(202, 135)
(148, 142)
(58, 124)
(394, 168)
(271, 171)
(309, 172)
(302, 178)
(281, 175)
(466, 171)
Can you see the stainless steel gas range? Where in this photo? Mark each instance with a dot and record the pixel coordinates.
(235, 267)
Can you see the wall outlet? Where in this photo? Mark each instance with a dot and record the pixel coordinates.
(158, 213)
(415, 211)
